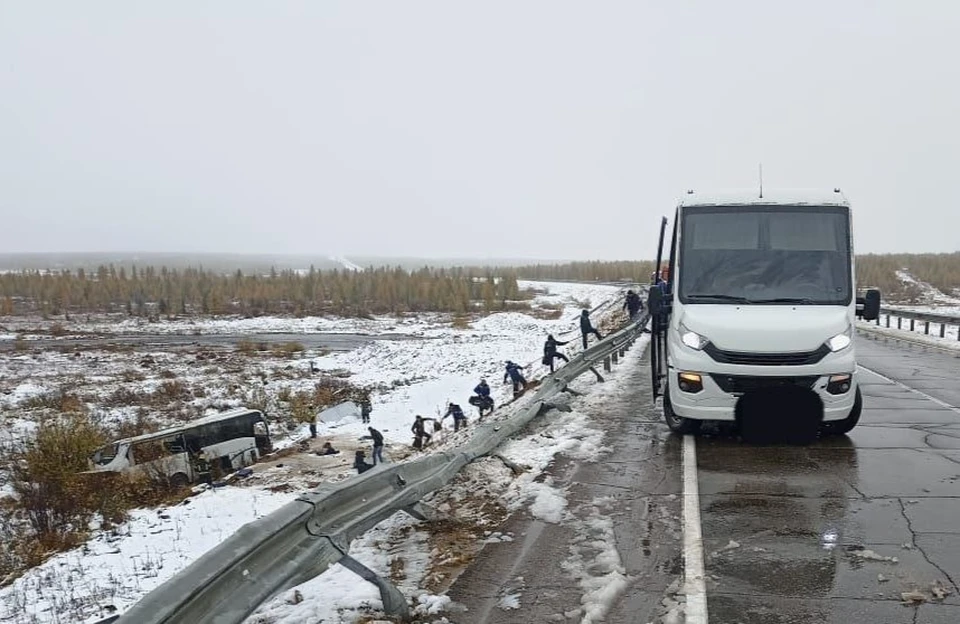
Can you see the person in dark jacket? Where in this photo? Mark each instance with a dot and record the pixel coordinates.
(377, 438)
(420, 434)
(328, 449)
(519, 383)
(586, 328)
(459, 418)
(550, 351)
(365, 409)
(360, 464)
(482, 399)
(633, 305)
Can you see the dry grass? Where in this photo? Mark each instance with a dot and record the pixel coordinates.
(288, 349)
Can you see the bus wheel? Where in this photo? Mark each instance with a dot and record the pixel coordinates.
(841, 427)
(678, 424)
(179, 480)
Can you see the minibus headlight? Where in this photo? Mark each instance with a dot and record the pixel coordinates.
(839, 342)
(692, 339)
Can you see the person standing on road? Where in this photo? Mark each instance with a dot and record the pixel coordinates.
(519, 383)
(586, 328)
(377, 438)
(550, 351)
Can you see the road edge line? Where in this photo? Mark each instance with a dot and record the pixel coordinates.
(943, 404)
(694, 584)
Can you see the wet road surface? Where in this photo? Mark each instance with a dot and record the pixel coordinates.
(790, 534)
(635, 486)
(807, 534)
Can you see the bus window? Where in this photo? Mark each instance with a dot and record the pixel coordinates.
(105, 454)
(150, 451)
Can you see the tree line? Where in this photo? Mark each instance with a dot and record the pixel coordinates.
(151, 291)
(163, 291)
(590, 271)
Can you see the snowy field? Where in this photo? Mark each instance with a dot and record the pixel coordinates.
(336, 597)
(413, 377)
(936, 302)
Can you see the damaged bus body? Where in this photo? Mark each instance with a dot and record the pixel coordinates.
(184, 454)
(755, 307)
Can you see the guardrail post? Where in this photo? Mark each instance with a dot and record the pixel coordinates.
(606, 364)
(393, 601)
(888, 321)
(926, 328)
(878, 320)
(622, 351)
(613, 357)
(912, 324)
(943, 330)
(899, 323)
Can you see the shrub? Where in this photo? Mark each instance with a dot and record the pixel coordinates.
(56, 499)
(287, 349)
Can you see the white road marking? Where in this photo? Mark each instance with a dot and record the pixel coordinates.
(694, 583)
(906, 387)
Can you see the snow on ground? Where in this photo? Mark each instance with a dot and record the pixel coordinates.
(931, 296)
(949, 341)
(115, 569)
(336, 597)
(444, 364)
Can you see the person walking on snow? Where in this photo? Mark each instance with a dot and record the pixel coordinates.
(519, 383)
(419, 431)
(459, 418)
(633, 305)
(550, 351)
(586, 328)
(377, 438)
(365, 408)
(482, 400)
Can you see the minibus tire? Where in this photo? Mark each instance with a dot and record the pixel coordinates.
(678, 424)
(179, 480)
(841, 427)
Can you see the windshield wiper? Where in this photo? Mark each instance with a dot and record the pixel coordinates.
(784, 300)
(717, 297)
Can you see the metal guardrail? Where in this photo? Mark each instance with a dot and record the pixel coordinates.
(939, 321)
(302, 539)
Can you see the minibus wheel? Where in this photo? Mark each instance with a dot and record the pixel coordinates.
(678, 424)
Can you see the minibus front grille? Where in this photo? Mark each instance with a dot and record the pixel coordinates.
(738, 384)
(796, 358)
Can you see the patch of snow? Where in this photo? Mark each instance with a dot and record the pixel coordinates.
(115, 569)
(595, 561)
(548, 503)
(949, 341)
(928, 293)
(509, 602)
(870, 555)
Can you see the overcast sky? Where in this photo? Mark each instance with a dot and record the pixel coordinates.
(534, 129)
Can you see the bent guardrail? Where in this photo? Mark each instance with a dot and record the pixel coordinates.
(302, 539)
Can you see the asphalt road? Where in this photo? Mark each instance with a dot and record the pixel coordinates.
(790, 534)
